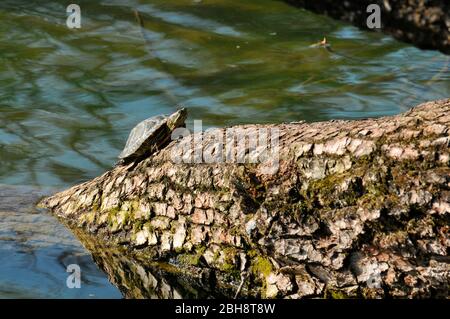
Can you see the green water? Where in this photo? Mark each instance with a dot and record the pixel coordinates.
(68, 98)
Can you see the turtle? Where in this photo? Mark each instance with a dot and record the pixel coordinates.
(151, 135)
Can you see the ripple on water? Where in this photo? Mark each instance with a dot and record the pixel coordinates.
(35, 250)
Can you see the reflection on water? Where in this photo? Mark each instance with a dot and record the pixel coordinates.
(69, 98)
(137, 277)
(35, 250)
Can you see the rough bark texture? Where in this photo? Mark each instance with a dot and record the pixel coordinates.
(356, 209)
(425, 23)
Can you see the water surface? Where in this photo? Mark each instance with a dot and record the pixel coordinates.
(36, 250)
(69, 98)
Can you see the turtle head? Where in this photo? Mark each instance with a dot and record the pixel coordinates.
(177, 119)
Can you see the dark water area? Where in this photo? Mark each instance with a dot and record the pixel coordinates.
(69, 98)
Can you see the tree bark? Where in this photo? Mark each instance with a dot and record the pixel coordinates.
(355, 209)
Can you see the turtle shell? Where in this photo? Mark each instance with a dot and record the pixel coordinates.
(140, 134)
(150, 134)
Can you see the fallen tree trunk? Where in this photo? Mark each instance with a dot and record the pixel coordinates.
(355, 209)
(423, 23)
